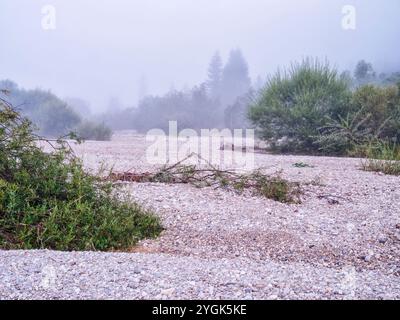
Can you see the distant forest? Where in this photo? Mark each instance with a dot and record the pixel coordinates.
(221, 101)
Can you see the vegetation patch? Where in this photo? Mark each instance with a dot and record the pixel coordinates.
(47, 200)
(53, 116)
(88, 130)
(270, 186)
(302, 165)
(311, 109)
(383, 157)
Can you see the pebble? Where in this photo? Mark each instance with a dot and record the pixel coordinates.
(383, 239)
(168, 292)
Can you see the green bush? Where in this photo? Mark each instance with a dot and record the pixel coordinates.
(382, 105)
(374, 118)
(92, 131)
(48, 201)
(296, 103)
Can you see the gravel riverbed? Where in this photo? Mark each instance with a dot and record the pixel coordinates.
(341, 242)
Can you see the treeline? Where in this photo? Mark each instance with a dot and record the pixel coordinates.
(220, 101)
(365, 73)
(52, 116)
(310, 107)
(223, 99)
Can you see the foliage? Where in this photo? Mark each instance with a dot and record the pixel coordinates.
(269, 186)
(382, 156)
(79, 106)
(235, 78)
(200, 107)
(382, 104)
(48, 201)
(341, 136)
(310, 109)
(88, 130)
(215, 77)
(295, 104)
(191, 109)
(302, 165)
(236, 115)
(52, 116)
(377, 119)
(364, 72)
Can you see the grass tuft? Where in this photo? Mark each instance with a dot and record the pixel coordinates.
(382, 157)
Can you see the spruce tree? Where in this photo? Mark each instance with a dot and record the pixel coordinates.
(215, 76)
(235, 77)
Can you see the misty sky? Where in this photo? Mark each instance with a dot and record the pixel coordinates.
(101, 48)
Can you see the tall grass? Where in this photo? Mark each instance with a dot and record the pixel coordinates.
(382, 156)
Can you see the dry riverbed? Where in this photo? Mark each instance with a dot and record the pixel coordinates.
(341, 242)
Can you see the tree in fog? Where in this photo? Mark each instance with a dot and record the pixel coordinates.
(142, 88)
(259, 84)
(215, 77)
(114, 105)
(235, 77)
(236, 115)
(190, 108)
(51, 115)
(80, 106)
(364, 72)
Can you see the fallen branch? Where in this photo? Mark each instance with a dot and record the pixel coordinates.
(269, 186)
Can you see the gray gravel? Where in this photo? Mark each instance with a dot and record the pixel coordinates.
(55, 275)
(342, 242)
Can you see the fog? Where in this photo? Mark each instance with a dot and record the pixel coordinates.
(129, 48)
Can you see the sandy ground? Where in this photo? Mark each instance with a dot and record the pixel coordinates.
(221, 245)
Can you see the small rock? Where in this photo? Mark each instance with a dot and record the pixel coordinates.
(368, 258)
(132, 285)
(382, 239)
(168, 292)
(333, 201)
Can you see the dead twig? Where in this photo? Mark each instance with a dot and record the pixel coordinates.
(269, 186)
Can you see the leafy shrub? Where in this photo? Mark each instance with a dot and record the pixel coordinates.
(92, 131)
(236, 114)
(344, 135)
(375, 116)
(48, 201)
(382, 105)
(294, 104)
(311, 109)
